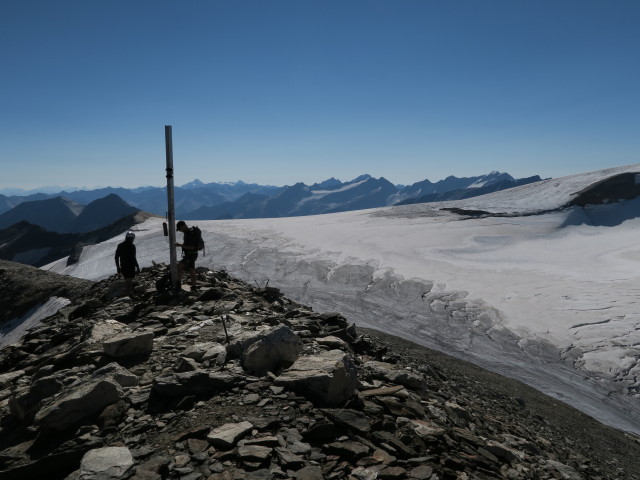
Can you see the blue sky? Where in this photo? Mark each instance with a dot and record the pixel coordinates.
(280, 91)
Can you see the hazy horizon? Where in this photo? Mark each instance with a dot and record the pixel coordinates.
(69, 188)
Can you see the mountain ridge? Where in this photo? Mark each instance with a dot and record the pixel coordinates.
(195, 199)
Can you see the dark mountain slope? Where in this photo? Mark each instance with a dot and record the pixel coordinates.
(371, 193)
(282, 204)
(101, 212)
(23, 287)
(54, 214)
(62, 215)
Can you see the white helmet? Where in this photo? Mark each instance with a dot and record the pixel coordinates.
(130, 235)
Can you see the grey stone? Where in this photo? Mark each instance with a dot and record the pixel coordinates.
(106, 329)
(195, 382)
(186, 364)
(333, 342)
(7, 378)
(392, 374)
(106, 463)
(24, 406)
(120, 374)
(329, 378)
(274, 348)
(84, 401)
(198, 350)
(217, 352)
(128, 344)
(353, 419)
(227, 435)
(289, 459)
(254, 452)
(567, 472)
(311, 472)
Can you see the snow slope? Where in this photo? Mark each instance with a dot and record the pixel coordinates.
(540, 298)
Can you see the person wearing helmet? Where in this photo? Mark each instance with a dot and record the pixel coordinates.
(126, 262)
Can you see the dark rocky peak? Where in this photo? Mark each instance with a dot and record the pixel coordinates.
(235, 381)
(383, 181)
(54, 214)
(109, 201)
(329, 184)
(281, 204)
(101, 212)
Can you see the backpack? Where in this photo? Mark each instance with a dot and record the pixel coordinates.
(199, 241)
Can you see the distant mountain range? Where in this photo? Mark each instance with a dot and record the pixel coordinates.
(63, 215)
(198, 201)
(39, 228)
(188, 197)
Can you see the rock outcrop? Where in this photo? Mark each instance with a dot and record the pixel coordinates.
(236, 382)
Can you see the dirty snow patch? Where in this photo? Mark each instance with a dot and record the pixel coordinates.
(13, 330)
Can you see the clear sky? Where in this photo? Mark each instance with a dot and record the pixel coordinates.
(280, 91)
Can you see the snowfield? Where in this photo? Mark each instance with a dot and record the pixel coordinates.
(535, 295)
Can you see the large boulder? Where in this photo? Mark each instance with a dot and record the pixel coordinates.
(329, 378)
(106, 329)
(86, 400)
(276, 348)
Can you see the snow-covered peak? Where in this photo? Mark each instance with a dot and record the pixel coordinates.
(361, 178)
(490, 179)
(194, 184)
(344, 187)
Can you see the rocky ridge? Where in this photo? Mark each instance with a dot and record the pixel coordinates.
(235, 381)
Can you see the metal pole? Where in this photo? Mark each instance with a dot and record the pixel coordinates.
(171, 216)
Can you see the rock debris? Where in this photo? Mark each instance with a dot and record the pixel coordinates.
(238, 382)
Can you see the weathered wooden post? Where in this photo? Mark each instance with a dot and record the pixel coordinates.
(171, 215)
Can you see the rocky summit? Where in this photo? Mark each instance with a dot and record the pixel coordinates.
(235, 381)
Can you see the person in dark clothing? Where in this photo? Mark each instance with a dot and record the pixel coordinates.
(126, 262)
(189, 253)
